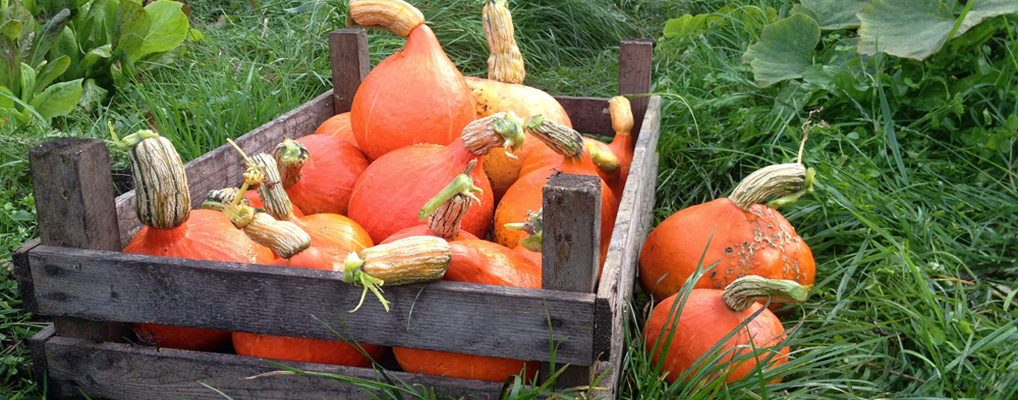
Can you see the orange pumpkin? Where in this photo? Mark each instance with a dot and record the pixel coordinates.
(414, 96)
(748, 238)
(324, 184)
(709, 315)
(338, 126)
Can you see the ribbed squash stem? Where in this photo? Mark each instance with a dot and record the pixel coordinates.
(562, 139)
(497, 130)
(446, 210)
(290, 156)
(770, 181)
(253, 175)
(162, 199)
(533, 223)
(283, 237)
(622, 115)
(743, 292)
(216, 199)
(394, 16)
(409, 260)
(271, 191)
(603, 160)
(505, 64)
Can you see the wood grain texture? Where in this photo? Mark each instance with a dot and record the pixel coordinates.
(631, 228)
(73, 189)
(223, 166)
(588, 115)
(572, 232)
(37, 347)
(130, 372)
(348, 52)
(444, 316)
(23, 274)
(635, 67)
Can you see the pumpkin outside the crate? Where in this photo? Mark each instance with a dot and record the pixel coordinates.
(172, 229)
(709, 315)
(295, 249)
(416, 95)
(749, 238)
(475, 261)
(390, 193)
(504, 91)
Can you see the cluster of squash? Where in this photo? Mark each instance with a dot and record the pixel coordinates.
(404, 188)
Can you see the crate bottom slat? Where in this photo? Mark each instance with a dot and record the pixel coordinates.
(118, 371)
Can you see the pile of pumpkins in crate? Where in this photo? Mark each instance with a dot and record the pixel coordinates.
(411, 183)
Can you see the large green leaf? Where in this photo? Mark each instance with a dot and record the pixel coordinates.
(47, 37)
(12, 29)
(168, 29)
(97, 53)
(785, 50)
(916, 29)
(688, 25)
(27, 82)
(132, 25)
(92, 95)
(836, 14)
(6, 100)
(58, 99)
(16, 11)
(49, 73)
(10, 65)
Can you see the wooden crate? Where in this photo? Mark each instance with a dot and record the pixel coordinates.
(75, 273)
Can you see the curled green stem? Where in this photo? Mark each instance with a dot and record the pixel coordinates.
(511, 130)
(533, 223)
(131, 140)
(807, 188)
(354, 274)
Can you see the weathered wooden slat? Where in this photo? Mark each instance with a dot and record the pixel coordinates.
(119, 371)
(73, 190)
(631, 229)
(23, 274)
(348, 52)
(223, 166)
(37, 347)
(588, 114)
(635, 75)
(444, 316)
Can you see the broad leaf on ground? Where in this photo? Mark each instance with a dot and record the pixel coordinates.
(916, 29)
(688, 25)
(49, 73)
(836, 14)
(45, 39)
(785, 50)
(58, 99)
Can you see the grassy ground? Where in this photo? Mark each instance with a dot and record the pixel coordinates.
(911, 222)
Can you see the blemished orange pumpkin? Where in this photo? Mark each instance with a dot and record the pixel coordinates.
(709, 315)
(319, 171)
(338, 126)
(416, 95)
(748, 238)
(296, 250)
(172, 229)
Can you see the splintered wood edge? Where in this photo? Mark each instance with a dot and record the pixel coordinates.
(441, 316)
(120, 371)
(631, 229)
(224, 166)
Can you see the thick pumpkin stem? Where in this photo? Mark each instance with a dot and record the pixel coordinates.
(767, 182)
(505, 64)
(743, 292)
(290, 156)
(497, 130)
(217, 199)
(283, 237)
(276, 201)
(622, 115)
(562, 139)
(604, 160)
(162, 199)
(409, 260)
(446, 210)
(394, 16)
(533, 223)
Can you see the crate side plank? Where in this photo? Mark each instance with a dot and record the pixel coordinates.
(130, 372)
(444, 316)
(624, 251)
(223, 166)
(588, 114)
(350, 59)
(635, 69)
(23, 274)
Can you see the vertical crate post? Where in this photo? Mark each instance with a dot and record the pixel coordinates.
(635, 76)
(571, 249)
(348, 52)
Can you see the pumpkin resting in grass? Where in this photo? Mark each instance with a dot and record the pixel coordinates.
(748, 238)
(172, 229)
(709, 315)
(416, 95)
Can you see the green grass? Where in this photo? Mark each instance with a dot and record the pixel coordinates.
(912, 227)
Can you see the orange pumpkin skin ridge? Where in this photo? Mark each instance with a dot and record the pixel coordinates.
(414, 96)
(673, 248)
(705, 319)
